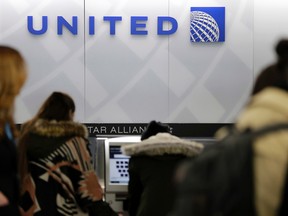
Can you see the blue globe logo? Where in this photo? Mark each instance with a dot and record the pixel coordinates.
(203, 27)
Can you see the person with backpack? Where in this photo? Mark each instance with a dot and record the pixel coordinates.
(245, 173)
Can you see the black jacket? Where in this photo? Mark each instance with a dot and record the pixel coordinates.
(9, 176)
(152, 169)
(152, 184)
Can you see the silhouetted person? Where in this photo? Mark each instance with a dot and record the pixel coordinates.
(152, 166)
(12, 77)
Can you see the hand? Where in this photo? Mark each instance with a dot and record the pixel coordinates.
(3, 200)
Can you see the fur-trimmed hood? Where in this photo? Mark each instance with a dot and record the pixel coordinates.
(59, 128)
(163, 143)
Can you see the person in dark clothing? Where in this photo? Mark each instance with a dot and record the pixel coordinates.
(152, 166)
(12, 77)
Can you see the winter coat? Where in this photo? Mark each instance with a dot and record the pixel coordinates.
(62, 180)
(9, 176)
(152, 168)
(271, 151)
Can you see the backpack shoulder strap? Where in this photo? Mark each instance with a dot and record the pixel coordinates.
(233, 132)
(270, 128)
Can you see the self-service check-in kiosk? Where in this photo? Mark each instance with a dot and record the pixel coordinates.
(116, 171)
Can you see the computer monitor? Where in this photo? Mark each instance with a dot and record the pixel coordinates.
(116, 164)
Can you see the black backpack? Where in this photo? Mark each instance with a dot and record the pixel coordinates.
(220, 181)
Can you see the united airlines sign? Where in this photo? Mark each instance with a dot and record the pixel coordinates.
(207, 24)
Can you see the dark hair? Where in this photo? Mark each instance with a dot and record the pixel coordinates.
(57, 106)
(153, 128)
(276, 74)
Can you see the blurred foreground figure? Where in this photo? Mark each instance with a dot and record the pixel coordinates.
(12, 77)
(246, 179)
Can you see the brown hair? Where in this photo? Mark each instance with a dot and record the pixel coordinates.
(12, 77)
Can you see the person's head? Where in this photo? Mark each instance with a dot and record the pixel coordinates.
(275, 75)
(153, 128)
(58, 106)
(12, 77)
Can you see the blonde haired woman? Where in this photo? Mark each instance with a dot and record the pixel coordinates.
(12, 77)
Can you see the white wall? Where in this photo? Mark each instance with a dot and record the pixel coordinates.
(270, 25)
(128, 79)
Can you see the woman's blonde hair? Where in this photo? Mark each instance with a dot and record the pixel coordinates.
(12, 77)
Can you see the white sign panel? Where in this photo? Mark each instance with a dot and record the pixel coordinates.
(132, 61)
